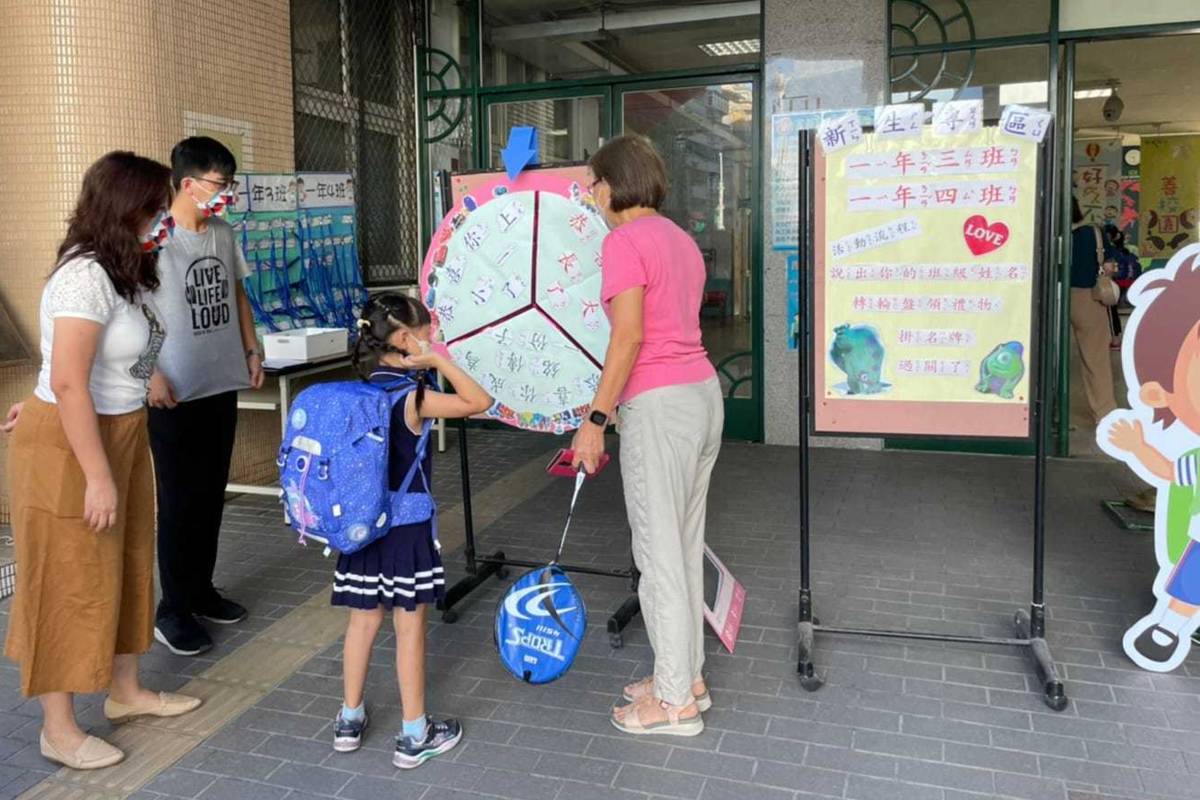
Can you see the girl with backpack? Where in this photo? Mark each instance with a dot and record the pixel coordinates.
(401, 571)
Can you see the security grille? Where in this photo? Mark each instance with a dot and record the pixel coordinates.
(355, 95)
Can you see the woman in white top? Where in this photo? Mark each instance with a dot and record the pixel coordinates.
(79, 461)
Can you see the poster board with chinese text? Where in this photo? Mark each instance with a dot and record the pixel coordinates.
(924, 285)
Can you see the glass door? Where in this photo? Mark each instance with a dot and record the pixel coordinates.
(570, 126)
(707, 133)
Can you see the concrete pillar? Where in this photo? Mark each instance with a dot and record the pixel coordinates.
(819, 55)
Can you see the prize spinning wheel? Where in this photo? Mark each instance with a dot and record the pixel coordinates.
(512, 281)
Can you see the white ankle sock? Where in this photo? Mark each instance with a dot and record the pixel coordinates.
(1173, 621)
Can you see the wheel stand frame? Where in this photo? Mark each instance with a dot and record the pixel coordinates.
(481, 568)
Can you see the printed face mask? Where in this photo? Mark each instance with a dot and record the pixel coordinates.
(164, 226)
(222, 199)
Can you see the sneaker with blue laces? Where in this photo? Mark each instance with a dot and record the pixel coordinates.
(348, 733)
(441, 736)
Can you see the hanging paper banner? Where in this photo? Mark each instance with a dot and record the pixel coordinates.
(900, 120)
(1170, 194)
(924, 285)
(1159, 440)
(512, 281)
(957, 117)
(1026, 123)
(1096, 174)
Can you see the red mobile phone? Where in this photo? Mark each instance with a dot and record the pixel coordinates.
(560, 465)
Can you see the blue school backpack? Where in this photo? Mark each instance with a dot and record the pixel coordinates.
(541, 619)
(333, 466)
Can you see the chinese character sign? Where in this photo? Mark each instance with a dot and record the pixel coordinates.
(925, 284)
(324, 189)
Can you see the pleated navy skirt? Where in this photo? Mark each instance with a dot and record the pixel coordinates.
(401, 570)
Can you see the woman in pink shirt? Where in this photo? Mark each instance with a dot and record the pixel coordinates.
(671, 416)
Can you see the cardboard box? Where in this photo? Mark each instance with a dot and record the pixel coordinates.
(305, 344)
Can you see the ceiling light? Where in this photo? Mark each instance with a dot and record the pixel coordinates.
(1093, 94)
(739, 47)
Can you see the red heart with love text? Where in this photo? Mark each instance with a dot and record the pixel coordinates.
(983, 238)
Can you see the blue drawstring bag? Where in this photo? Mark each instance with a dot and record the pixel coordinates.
(541, 619)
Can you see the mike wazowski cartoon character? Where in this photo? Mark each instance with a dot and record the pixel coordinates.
(1160, 441)
(1002, 370)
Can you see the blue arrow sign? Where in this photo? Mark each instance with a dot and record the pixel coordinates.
(522, 150)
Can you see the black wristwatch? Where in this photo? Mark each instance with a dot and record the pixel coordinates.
(598, 417)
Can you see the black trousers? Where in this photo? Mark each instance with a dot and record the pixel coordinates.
(192, 445)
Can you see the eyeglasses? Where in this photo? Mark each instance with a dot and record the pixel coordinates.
(226, 186)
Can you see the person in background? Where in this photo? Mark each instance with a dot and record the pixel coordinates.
(1089, 317)
(79, 462)
(671, 418)
(1128, 268)
(211, 354)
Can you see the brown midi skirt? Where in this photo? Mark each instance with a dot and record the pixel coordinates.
(82, 597)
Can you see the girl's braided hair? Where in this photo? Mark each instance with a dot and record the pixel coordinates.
(383, 315)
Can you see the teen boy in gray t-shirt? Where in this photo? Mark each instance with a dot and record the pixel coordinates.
(211, 352)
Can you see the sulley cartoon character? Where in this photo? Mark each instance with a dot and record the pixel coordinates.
(857, 352)
(1160, 441)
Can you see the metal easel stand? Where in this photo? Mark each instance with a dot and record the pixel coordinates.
(1129, 518)
(1029, 627)
(481, 568)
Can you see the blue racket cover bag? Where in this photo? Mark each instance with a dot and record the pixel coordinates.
(540, 623)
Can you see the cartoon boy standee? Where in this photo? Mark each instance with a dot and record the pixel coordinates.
(1161, 360)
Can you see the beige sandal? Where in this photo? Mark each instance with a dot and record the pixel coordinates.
(645, 688)
(674, 725)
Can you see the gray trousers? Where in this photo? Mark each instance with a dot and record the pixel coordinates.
(670, 439)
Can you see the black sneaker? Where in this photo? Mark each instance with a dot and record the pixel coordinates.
(221, 610)
(182, 635)
(440, 737)
(348, 733)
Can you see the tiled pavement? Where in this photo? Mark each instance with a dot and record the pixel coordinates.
(921, 541)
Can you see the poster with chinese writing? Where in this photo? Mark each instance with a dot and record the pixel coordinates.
(1096, 180)
(793, 303)
(1170, 194)
(924, 285)
(785, 170)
